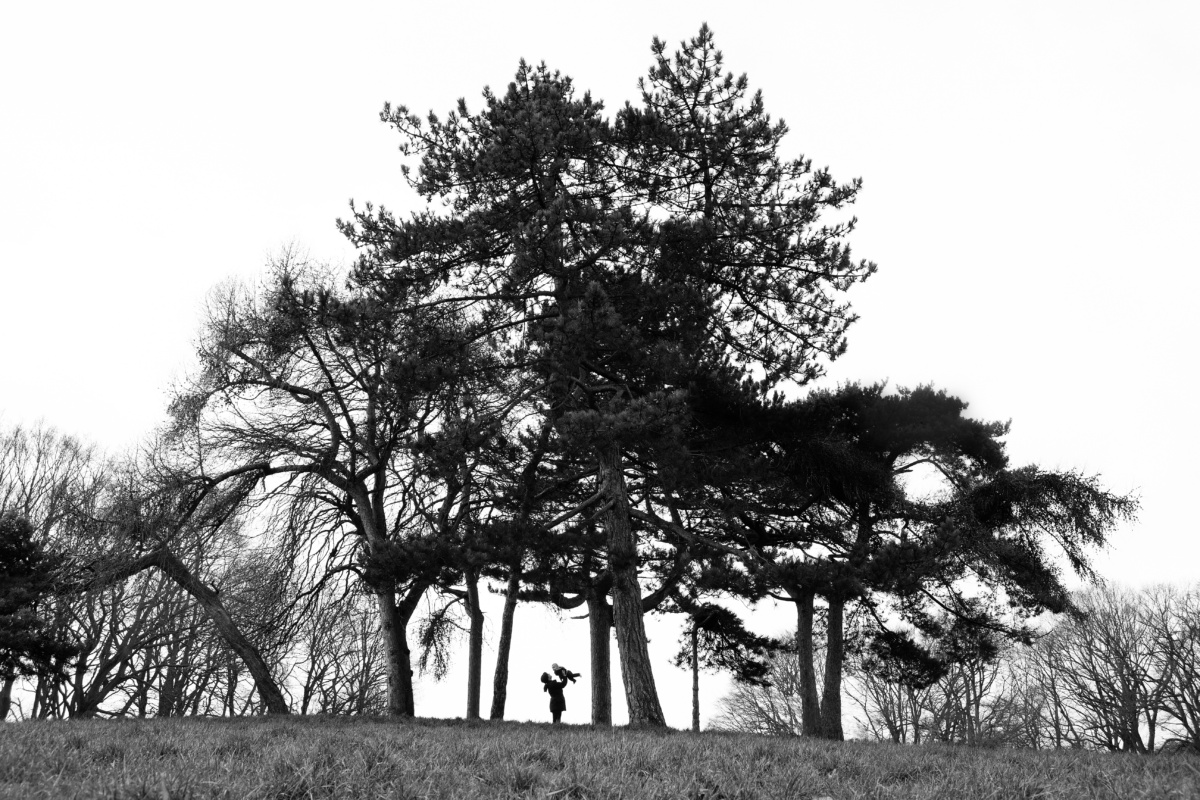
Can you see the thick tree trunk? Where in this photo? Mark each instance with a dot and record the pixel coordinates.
(695, 681)
(210, 601)
(475, 647)
(810, 710)
(636, 672)
(831, 698)
(6, 689)
(600, 629)
(504, 647)
(395, 641)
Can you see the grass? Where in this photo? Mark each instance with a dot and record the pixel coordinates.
(290, 759)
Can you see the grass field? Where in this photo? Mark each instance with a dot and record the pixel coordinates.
(333, 757)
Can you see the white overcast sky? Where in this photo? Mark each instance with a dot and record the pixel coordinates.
(1031, 195)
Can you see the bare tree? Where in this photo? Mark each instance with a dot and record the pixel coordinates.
(774, 708)
(1044, 664)
(967, 705)
(113, 627)
(1108, 663)
(182, 676)
(44, 476)
(890, 709)
(1027, 705)
(1173, 619)
(340, 666)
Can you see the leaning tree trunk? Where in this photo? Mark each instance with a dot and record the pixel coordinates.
(475, 649)
(210, 601)
(504, 646)
(831, 698)
(600, 629)
(636, 672)
(810, 710)
(214, 609)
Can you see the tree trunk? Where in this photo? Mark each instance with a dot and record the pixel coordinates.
(167, 697)
(475, 648)
(600, 629)
(210, 601)
(810, 710)
(695, 681)
(831, 699)
(405, 610)
(6, 690)
(915, 712)
(231, 678)
(504, 647)
(399, 670)
(636, 672)
(968, 704)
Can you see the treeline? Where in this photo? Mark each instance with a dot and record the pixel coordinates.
(136, 641)
(576, 375)
(1120, 674)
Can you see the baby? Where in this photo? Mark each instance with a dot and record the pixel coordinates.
(563, 673)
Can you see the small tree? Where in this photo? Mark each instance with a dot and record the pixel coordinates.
(1109, 662)
(28, 643)
(716, 639)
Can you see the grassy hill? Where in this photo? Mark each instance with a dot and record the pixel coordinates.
(333, 757)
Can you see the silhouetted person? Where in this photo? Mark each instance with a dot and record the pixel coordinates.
(558, 703)
(563, 673)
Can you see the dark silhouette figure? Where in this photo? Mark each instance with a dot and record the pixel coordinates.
(563, 673)
(558, 703)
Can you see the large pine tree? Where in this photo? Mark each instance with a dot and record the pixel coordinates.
(895, 503)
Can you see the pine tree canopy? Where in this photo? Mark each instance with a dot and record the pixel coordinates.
(27, 642)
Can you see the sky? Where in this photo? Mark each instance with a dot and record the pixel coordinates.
(1031, 191)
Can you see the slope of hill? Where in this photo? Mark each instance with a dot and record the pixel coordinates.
(295, 758)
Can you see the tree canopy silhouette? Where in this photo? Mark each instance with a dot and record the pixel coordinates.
(619, 260)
